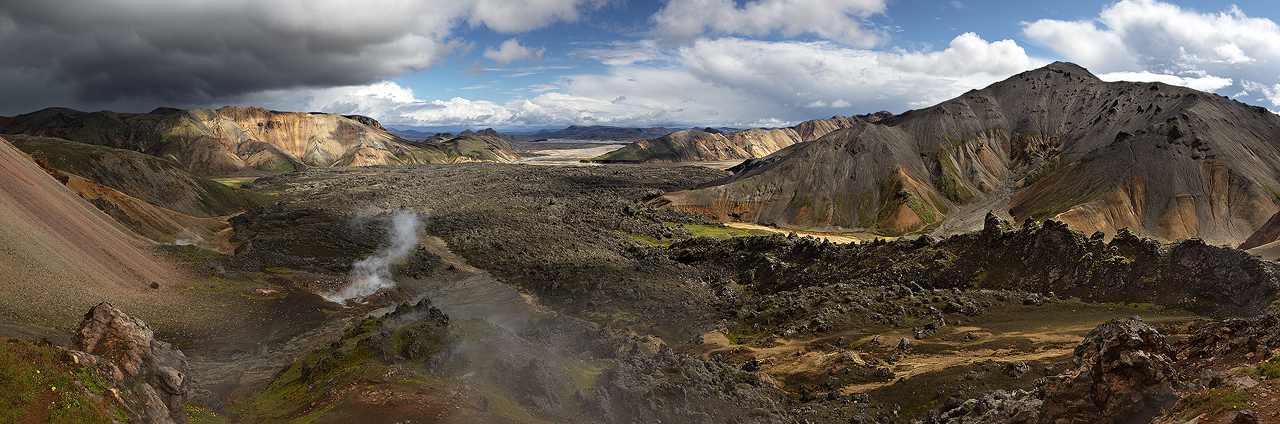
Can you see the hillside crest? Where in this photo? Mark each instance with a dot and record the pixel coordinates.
(1055, 142)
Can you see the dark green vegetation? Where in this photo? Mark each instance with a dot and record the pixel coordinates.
(1269, 367)
(42, 383)
(683, 231)
(410, 336)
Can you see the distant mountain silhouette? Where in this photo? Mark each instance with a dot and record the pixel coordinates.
(602, 132)
(711, 144)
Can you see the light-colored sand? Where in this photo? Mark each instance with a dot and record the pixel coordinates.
(825, 236)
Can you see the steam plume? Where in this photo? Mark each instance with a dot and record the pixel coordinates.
(373, 273)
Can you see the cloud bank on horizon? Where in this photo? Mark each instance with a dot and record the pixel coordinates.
(551, 63)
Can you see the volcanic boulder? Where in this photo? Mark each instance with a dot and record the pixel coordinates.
(150, 376)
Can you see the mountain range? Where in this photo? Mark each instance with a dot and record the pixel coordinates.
(1057, 142)
(712, 145)
(600, 132)
(252, 141)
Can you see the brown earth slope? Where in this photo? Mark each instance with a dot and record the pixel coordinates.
(60, 255)
(699, 146)
(234, 140)
(1167, 162)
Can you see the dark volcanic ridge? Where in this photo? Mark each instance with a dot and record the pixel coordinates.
(1164, 161)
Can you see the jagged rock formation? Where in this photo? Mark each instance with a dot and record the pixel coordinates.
(1045, 259)
(251, 140)
(1125, 372)
(148, 375)
(710, 145)
(1164, 161)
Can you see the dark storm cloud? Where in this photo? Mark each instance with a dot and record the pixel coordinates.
(145, 53)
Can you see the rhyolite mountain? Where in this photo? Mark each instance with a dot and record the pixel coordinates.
(252, 140)
(145, 177)
(151, 196)
(710, 145)
(1056, 142)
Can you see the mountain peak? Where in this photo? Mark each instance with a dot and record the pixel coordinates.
(1068, 67)
(1050, 143)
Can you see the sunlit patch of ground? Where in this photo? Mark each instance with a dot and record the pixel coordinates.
(955, 355)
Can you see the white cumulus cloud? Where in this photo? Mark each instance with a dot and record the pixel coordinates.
(843, 21)
(725, 81)
(967, 54)
(511, 51)
(1157, 41)
(1202, 83)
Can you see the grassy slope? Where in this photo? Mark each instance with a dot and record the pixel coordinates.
(95, 163)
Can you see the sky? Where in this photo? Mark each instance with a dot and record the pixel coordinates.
(530, 64)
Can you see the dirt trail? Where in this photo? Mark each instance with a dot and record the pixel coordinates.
(1007, 334)
(910, 366)
(825, 236)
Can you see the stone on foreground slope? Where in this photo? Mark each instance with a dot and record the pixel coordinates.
(147, 375)
(1164, 161)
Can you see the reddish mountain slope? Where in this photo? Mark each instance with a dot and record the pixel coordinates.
(61, 255)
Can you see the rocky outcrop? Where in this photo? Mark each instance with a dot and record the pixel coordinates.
(1048, 258)
(712, 145)
(242, 140)
(149, 376)
(1124, 374)
(1057, 142)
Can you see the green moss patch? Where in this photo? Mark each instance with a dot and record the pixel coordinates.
(41, 381)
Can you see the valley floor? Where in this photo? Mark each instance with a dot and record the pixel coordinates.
(566, 299)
